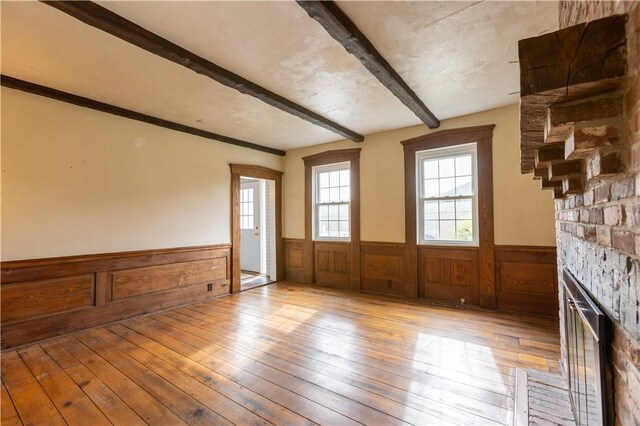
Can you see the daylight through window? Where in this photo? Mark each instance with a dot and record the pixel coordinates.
(447, 195)
(332, 200)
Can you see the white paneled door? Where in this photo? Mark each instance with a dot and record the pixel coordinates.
(250, 247)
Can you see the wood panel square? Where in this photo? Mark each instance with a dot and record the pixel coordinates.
(536, 278)
(384, 267)
(434, 270)
(340, 261)
(294, 258)
(33, 299)
(323, 260)
(461, 272)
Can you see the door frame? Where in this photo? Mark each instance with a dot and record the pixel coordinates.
(257, 172)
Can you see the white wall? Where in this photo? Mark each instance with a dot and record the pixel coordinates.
(78, 181)
(524, 215)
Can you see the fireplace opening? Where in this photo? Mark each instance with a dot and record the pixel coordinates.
(584, 326)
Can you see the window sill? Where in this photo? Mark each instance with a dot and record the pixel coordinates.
(331, 240)
(448, 244)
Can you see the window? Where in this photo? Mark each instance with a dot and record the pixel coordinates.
(447, 195)
(332, 201)
(246, 208)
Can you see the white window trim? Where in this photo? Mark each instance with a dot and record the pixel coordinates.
(315, 206)
(470, 148)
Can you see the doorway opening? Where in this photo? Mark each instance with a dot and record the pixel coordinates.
(256, 226)
(257, 232)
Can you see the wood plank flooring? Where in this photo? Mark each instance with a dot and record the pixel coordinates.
(283, 354)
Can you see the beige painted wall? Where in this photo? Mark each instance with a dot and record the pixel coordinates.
(77, 181)
(524, 215)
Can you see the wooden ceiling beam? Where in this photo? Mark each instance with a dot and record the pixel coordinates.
(48, 92)
(341, 28)
(103, 19)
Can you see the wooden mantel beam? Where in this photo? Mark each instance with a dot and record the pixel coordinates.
(570, 65)
(98, 17)
(341, 28)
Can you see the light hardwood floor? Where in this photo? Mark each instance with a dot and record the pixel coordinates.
(282, 354)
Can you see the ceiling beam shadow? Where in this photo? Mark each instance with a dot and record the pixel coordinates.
(48, 92)
(341, 28)
(103, 19)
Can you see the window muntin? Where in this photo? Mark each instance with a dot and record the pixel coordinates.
(246, 208)
(332, 201)
(447, 195)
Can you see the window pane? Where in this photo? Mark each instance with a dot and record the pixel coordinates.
(344, 193)
(334, 194)
(463, 165)
(249, 222)
(344, 211)
(463, 209)
(344, 228)
(447, 192)
(333, 228)
(324, 180)
(334, 178)
(324, 196)
(431, 188)
(344, 177)
(333, 212)
(250, 195)
(446, 167)
(323, 212)
(431, 230)
(447, 187)
(430, 169)
(324, 229)
(464, 230)
(431, 210)
(447, 210)
(447, 229)
(463, 186)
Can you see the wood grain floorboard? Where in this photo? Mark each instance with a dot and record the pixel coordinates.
(282, 354)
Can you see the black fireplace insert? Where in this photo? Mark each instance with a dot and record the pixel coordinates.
(585, 330)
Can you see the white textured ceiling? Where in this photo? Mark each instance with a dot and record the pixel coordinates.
(454, 55)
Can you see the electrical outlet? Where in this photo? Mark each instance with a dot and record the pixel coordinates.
(210, 287)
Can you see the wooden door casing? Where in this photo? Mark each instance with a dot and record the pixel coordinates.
(448, 274)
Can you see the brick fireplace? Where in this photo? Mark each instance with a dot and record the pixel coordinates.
(581, 138)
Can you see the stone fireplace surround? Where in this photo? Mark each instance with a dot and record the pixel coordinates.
(598, 222)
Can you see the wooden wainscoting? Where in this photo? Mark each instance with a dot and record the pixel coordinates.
(448, 273)
(294, 259)
(527, 279)
(332, 263)
(44, 298)
(383, 268)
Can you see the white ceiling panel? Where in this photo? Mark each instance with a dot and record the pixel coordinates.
(454, 55)
(45, 46)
